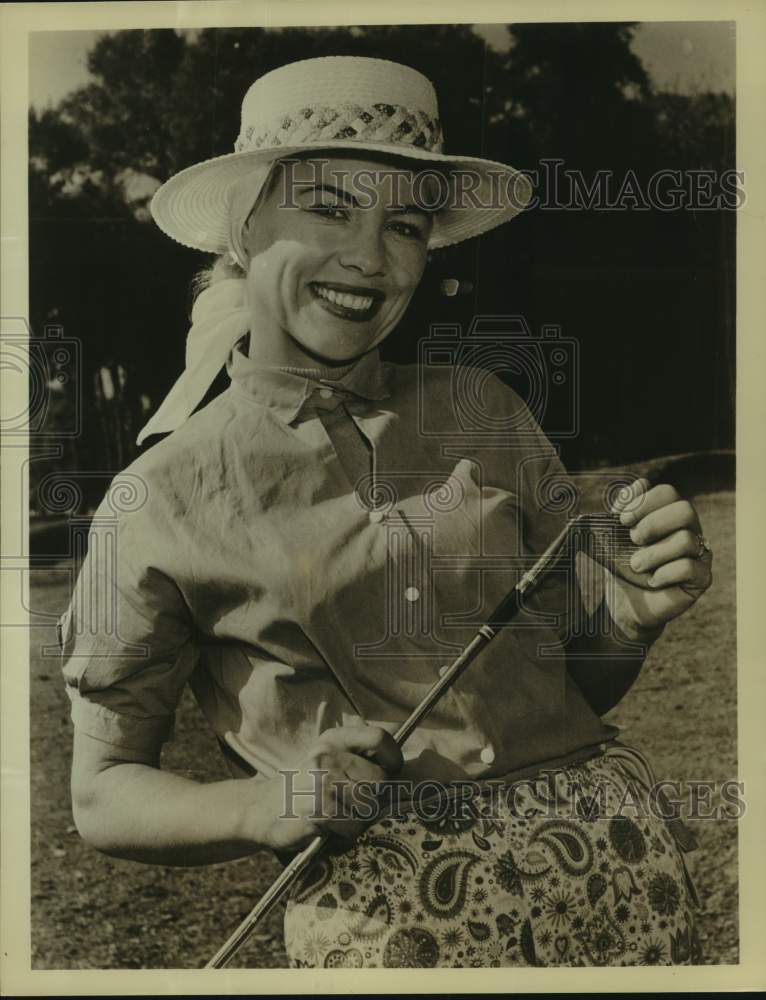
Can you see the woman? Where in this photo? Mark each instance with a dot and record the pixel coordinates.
(313, 545)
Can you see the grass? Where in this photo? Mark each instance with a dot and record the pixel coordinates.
(94, 912)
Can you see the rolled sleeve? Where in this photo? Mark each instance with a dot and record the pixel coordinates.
(127, 646)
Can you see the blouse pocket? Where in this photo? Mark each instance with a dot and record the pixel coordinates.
(453, 551)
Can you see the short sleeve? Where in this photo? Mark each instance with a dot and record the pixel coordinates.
(126, 639)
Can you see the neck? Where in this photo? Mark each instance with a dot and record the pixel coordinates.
(297, 362)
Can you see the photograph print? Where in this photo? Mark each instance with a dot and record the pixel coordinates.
(381, 496)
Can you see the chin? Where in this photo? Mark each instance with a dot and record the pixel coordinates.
(340, 357)
(339, 350)
(335, 354)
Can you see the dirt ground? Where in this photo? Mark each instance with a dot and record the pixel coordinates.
(93, 912)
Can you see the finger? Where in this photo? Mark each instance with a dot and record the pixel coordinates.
(677, 545)
(372, 741)
(681, 571)
(361, 768)
(664, 521)
(338, 795)
(387, 754)
(629, 493)
(653, 499)
(362, 788)
(349, 737)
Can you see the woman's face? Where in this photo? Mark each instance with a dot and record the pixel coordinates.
(336, 249)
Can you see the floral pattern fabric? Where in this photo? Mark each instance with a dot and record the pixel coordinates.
(574, 871)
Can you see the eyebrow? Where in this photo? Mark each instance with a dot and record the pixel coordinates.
(346, 196)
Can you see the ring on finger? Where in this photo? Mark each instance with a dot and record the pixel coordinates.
(702, 546)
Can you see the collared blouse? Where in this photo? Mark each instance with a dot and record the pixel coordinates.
(305, 553)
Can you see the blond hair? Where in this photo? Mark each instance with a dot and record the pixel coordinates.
(223, 266)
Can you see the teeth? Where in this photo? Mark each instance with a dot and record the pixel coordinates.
(357, 302)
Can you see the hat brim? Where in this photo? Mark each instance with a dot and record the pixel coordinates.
(192, 206)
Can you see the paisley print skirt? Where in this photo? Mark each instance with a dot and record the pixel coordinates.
(578, 869)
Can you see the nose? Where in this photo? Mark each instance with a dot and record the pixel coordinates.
(363, 251)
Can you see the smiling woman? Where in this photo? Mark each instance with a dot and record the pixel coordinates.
(309, 554)
(332, 257)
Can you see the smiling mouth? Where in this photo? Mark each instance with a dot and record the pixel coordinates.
(347, 301)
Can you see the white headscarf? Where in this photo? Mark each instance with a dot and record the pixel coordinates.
(220, 317)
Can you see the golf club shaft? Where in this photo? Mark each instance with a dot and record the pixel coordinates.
(301, 861)
(502, 614)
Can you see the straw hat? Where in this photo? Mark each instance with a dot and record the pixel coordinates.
(344, 103)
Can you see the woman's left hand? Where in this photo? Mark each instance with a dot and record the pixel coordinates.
(672, 549)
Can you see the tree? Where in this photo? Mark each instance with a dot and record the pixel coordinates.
(161, 100)
(575, 91)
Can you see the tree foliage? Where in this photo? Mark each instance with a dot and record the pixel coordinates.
(160, 100)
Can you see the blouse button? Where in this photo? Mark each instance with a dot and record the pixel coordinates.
(325, 393)
(376, 516)
(487, 755)
(412, 594)
(443, 670)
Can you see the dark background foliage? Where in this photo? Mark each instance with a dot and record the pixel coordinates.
(647, 294)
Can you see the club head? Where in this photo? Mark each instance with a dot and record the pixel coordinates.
(604, 538)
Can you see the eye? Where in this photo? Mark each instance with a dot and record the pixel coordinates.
(411, 230)
(329, 210)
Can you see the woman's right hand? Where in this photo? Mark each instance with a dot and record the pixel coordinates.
(322, 791)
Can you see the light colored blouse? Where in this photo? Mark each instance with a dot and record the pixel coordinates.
(304, 553)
